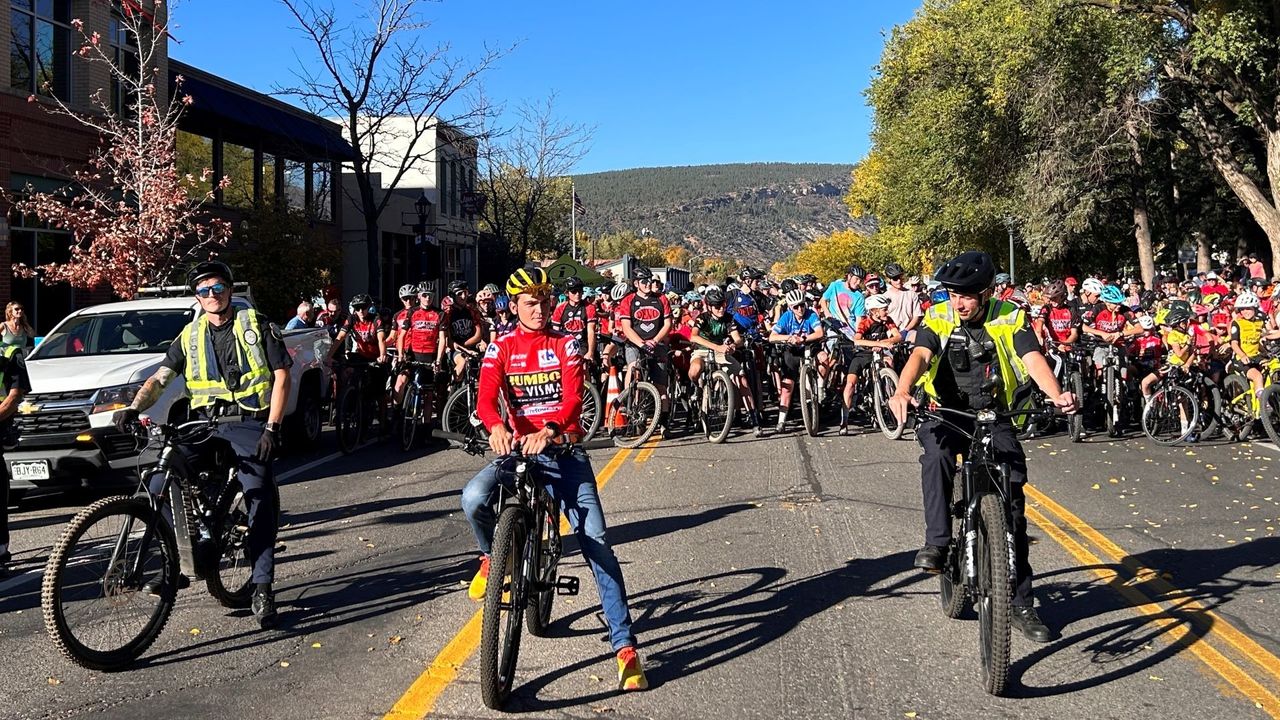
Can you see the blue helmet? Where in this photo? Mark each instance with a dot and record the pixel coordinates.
(939, 296)
(501, 303)
(1112, 294)
(692, 296)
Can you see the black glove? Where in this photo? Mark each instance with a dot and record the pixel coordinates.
(122, 419)
(266, 446)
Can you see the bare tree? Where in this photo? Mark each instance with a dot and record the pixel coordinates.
(524, 175)
(388, 89)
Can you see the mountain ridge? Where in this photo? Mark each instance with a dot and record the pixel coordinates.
(757, 212)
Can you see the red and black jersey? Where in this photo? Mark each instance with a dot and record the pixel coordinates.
(363, 336)
(423, 328)
(1099, 317)
(573, 319)
(868, 329)
(647, 314)
(462, 320)
(1147, 349)
(539, 377)
(1059, 321)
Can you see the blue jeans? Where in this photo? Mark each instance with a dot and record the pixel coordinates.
(572, 484)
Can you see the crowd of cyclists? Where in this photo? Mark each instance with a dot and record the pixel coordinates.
(1204, 350)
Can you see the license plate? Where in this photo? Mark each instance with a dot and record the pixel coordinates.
(34, 470)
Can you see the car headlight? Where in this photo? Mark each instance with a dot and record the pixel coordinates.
(115, 398)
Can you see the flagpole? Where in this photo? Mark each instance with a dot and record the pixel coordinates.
(573, 220)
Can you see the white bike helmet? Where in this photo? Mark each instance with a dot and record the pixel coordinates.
(795, 297)
(878, 302)
(1092, 285)
(1247, 300)
(1147, 322)
(619, 291)
(408, 291)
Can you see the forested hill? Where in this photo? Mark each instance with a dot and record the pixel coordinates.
(759, 212)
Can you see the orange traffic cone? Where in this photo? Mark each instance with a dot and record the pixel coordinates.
(613, 412)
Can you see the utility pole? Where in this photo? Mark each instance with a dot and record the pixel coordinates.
(1008, 222)
(573, 220)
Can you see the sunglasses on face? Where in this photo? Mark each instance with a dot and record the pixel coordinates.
(211, 290)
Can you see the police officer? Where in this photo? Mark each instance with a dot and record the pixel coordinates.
(15, 384)
(235, 364)
(974, 352)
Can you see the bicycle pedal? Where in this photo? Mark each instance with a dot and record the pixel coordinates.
(567, 585)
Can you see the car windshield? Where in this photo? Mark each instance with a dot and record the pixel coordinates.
(115, 333)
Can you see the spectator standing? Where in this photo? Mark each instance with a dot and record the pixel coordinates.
(1256, 269)
(304, 319)
(17, 332)
(15, 385)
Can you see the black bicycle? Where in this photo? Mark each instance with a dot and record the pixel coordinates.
(523, 575)
(360, 402)
(981, 565)
(112, 578)
(419, 401)
(459, 413)
(633, 417)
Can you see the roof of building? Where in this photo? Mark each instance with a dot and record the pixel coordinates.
(259, 113)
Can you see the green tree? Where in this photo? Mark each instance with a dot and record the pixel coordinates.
(283, 258)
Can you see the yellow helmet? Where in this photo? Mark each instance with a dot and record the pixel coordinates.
(532, 280)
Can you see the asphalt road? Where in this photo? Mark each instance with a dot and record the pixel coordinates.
(768, 578)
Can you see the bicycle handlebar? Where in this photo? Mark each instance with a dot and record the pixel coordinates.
(474, 445)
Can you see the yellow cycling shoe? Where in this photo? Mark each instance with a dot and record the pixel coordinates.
(630, 670)
(481, 581)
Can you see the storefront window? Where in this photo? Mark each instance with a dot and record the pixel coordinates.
(40, 47)
(295, 184)
(321, 192)
(268, 180)
(195, 155)
(237, 167)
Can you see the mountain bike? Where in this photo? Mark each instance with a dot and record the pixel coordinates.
(112, 578)
(360, 402)
(981, 564)
(523, 574)
(419, 400)
(1172, 413)
(810, 386)
(1269, 399)
(633, 418)
(459, 414)
(1114, 378)
(716, 399)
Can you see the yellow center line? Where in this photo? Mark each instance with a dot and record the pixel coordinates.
(1169, 621)
(420, 699)
(1218, 625)
(646, 450)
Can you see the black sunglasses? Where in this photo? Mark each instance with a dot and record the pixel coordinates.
(215, 289)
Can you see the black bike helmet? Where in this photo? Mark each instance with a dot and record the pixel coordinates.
(1177, 315)
(361, 300)
(1057, 291)
(714, 296)
(969, 272)
(893, 271)
(642, 273)
(457, 285)
(855, 270)
(573, 284)
(208, 269)
(787, 286)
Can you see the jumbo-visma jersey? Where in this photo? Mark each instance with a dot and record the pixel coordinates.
(538, 375)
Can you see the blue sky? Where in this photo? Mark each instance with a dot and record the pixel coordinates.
(663, 83)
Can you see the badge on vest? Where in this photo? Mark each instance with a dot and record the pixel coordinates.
(250, 336)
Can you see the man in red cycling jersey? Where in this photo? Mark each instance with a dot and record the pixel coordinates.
(1058, 323)
(576, 317)
(364, 329)
(422, 336)
(538, 375)
(409, 298)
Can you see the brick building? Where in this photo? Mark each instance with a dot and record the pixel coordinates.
(292, 156)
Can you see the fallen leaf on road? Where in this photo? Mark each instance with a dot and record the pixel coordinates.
(595, 678)
(315, 645)
(909, 714)
(194, 631)
(1096, 486)
(1155, 677)
(284, 663)
(602, 709)
(54, 681)
(395, 639)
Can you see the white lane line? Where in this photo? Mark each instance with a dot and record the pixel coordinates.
(1267, 444)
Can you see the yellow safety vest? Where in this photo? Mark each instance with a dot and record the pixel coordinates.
(1003, 320)
(204, 382)
(7, 353)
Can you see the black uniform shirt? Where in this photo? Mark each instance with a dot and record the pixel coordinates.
(959, 388)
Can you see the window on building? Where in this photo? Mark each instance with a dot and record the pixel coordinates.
(40, 47)
(195, 154)
(442, 182)
(237, 167)
(322, 191)
(295, 184)
(124, 53)
(267, 180)
(455, 188)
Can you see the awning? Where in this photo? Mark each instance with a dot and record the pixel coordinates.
(312, 137)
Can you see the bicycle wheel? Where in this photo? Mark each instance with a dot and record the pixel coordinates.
(1269, 408)
(1075, 421)
(350, 419)
(231, 581)
(503, 607)
(719, 404)
(591, 404)
(951, 588)
(1237, 406)
(809, 400)
(540, 563)
(1111, 408)
(1210, 406)
(886, 385)
(456, 416)
(94, 608)
(640, 405)
(409, 418)
(1170, 415)
(995, 592)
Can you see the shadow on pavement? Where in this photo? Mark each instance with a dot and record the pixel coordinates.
(313, 607)
(690, 626)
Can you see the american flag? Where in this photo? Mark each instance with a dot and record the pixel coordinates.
(578, 206)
